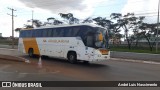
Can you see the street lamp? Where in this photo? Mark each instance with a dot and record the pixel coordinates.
(157, 27)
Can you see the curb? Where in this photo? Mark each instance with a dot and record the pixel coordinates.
(135, 61)
(12, 58)
(136, 56)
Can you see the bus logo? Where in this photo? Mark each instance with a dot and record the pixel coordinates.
(44, 40)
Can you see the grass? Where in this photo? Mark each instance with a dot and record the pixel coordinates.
(134, 49)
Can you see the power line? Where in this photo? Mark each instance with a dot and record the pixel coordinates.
(149, 13)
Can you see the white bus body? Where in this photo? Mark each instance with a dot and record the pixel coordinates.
(61, 47)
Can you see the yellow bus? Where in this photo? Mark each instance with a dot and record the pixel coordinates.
(82, 42)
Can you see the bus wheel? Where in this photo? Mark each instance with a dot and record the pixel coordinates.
(72, 57)
(30, 52)
(86, 62)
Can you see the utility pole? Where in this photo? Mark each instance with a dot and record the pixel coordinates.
(32, 17)
(157, 39)
(12, 24)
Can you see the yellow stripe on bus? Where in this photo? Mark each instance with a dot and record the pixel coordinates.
(31, 43)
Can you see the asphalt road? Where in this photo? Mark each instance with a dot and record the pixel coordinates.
(61, 70)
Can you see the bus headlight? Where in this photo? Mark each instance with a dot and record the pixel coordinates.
(104, 51)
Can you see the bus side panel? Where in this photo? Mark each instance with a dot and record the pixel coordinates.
(31, 43)
(85, 53)
(21, 46)
(51, 47)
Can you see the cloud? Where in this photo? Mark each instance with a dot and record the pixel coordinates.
(6, 20)
(6, 25)
(80, 8)
(55, 5)
(146, 8)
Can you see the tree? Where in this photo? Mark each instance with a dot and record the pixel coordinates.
(149, 33)
(51, 18)
(103, 22)
(50, 21)
(18, 29)
(66, 16)
(53, 21)
(57, 22)
(137, 31)
(74, 20)
(127, 22)
(70, 18)
(37, 23)
(88, 20)
(115, 29)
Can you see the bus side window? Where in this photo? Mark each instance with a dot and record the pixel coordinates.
(22, 34)
(68, 32)
(54, 31)
(39, 33)
(75, 31)
(61, 32)
(45, 32)
(28, 33)
(50, 34)
(84, 32)
(34, 33)
(90, 41)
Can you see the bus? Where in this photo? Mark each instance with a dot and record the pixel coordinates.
(82, 42)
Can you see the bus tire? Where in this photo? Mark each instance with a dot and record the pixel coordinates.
(72, 57)
(31, 52)
(86, 62)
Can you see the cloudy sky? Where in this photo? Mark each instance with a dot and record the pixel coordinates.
(80, 8)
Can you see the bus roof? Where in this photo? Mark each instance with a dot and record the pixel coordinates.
(65, 25)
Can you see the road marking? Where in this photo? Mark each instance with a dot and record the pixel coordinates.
(24, 74)
(4, 67)
(54, 72)
(137, 61)
(8, 49)
(6, 72)
(20, 75)
(40, 73)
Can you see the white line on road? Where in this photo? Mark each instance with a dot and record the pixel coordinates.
(5, 66)
(24, 74)
(40, 73)
(6, 72)
(8, 49)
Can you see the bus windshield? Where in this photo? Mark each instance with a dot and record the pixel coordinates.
(101, 38)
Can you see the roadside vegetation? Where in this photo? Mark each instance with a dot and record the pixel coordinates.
(7, 41)
(134, 49)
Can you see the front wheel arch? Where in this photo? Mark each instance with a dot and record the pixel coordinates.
(72, 57)
(31, 52)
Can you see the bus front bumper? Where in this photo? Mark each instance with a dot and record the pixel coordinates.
(100, 57)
